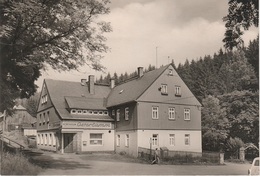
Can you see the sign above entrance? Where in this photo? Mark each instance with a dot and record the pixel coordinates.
(76, 124)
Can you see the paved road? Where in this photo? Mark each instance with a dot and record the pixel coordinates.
(71, 164)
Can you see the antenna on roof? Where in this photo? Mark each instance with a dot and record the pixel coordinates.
(156, 56)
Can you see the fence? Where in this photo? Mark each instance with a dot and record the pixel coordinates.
(181, 156)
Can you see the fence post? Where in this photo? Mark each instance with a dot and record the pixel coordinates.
(221, 158)
(242, 154)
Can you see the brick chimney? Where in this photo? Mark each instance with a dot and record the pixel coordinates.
(91, 86)
(140, 72)
(112, 83)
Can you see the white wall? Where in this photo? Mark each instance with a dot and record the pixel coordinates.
(132, 148)
(195, 139)
(107, 143)
(46, 144)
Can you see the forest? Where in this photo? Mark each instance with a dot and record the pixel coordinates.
(226, 84)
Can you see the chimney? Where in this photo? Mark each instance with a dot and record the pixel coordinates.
(140, 72)
(91, 87)
(83, 82)
(112, 83)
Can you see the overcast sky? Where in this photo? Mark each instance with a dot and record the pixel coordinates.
(180, 29)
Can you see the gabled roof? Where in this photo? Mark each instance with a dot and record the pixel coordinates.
(131, 90)
(74, 92)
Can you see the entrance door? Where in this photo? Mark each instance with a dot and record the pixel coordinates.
(68, 142)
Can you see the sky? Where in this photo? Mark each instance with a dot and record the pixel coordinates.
(155, 32)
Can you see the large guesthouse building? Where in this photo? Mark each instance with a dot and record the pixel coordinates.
(154, 109)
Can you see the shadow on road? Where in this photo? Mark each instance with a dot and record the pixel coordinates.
(46, 161)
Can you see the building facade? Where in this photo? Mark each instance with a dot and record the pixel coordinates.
(155, 109)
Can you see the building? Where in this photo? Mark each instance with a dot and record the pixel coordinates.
(155, 109)
(72, 117)
(21, 121)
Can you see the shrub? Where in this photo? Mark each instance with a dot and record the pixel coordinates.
(18, 164)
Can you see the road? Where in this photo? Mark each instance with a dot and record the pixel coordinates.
(72, 164)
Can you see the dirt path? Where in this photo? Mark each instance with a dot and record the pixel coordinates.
(71, 164)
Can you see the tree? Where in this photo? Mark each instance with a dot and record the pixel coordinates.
(241, 14)
(214, 124)
(252, 54)
(237, 74)
(63, 34)
(242, 111)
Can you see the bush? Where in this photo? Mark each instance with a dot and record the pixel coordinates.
(18, 164)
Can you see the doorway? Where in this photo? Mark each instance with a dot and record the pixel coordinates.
(68, 142)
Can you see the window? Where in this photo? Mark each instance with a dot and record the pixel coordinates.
(126, 113)
(113, 112)
(127, 140)
(105, 113)
(53, 141)
(172, 113)
(95, 139)
(155, 112)
(172, 139)
(164, 89)
(90, 112)
(40, 120)
(79, 111)
(256, 163)
(100, 112)
(187, 139)
(50, 143)
(118, 115)
(155, 139)
(85, 111)
(118, 140)
(46, 139)
(170, 72)
(95, 112)
(177, 91)
(73, 111)
(44, 99)
(43, 119)
(186, 114)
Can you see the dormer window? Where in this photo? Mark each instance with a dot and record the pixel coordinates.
(100, 112)
(90, 112)
(85, 111)
(95, 112)
(105, 113)
(79, 111)
(178, 91)
(73, 111)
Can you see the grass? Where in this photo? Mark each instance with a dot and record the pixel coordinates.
(18, 164)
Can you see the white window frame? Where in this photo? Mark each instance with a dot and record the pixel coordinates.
(127, 140)
(172, 139)
(164, 89)
(171, 113)
(186, 114)
(155, 112)
(118, 140)
(126, 113)
(155, 139)
(187, 139)
(95, 139)
(177, 90)
(118, 115)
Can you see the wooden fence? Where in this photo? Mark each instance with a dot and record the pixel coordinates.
(180, 156)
